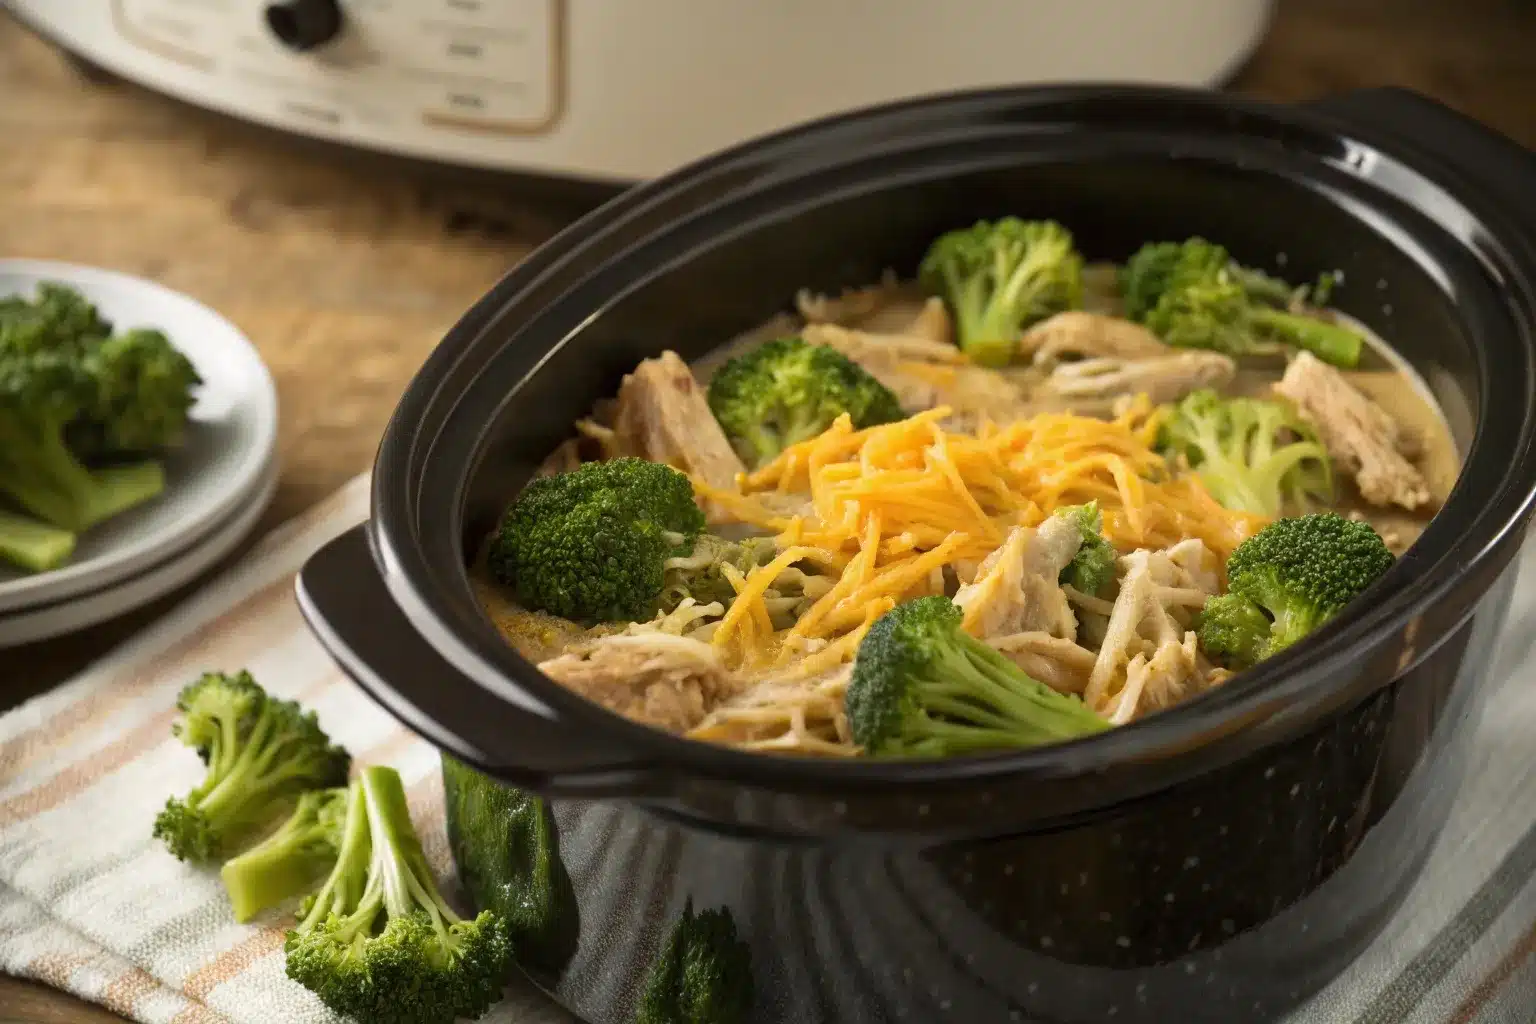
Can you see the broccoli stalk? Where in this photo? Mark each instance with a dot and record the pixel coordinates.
(31, 545)
(1252, 455)
(1093, 566)
(40, 395)
(1000, 277)
(703, 974)
(262, 754)
(921, 687)
(289, 861)
(787, 391)
(378, 942)
(1193, 295)
(1286, 581)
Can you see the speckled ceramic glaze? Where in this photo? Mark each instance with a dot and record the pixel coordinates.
(1216, 863)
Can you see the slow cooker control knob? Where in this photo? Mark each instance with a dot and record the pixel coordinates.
(304, 24)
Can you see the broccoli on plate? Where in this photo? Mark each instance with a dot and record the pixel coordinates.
(377, 942)
(262, 755)
(786, 391)
(998, 277)
(33, 545)
(1286, 581)
(292, 859)
(921, 687)
(1252, 455)
(703, 974)
(591, 545)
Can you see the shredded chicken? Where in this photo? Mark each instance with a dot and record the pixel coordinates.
(661, 414)
(1162, 378)
(1082, 335)
(1361, 437)
(1148, 658)
(1057, 662)
(886, 308)
(671, 682)
(1015, 588)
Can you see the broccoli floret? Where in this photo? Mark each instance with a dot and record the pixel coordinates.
(1152, 268)
(291, 860)
(41, 393)
(922, 687)
(591, 545)
(1192, 295)
(1251, 454)
(143, 396)
(59, 319)
(1000, 277)
(505, 844)
(1093, 567)
(1297, 573)
(261, 753)
(786, 391)
(378, 942)
(31, 545)
(1234, 631)
(703, 974)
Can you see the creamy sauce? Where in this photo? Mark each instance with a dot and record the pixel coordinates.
(1397, 389)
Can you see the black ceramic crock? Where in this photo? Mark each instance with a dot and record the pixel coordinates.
(1215, 863)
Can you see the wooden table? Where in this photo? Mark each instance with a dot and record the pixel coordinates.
(346, 278)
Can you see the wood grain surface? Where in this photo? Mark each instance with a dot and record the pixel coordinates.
(345, 275)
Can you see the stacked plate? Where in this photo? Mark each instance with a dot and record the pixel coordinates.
(218, 483)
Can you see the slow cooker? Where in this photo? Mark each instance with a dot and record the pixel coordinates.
(615, 91)
(1214, 863)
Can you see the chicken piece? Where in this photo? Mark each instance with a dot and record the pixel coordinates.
(1174, 672)
(1083, 335)
(1361, 437)
(1163, 378)
(1160, 593)
(1015, 590)
(1059, 663)
(670, 682)
(886, 308)
(661, 414)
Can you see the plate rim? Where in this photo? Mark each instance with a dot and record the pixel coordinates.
(111, 602)
(116, 565)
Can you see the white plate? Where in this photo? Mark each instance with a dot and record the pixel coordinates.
(230, 442)
(69, 616)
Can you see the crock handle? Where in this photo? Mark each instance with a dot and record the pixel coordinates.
(352, 614)
(1496, 161)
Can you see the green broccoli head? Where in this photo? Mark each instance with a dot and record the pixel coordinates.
(1234, 631)
(144, 395)
(999, 277)
(786, 391)
(289, 861)
(378, 942)
(1252, 455)
(261, 754)
(507, 849)
(1298, 573)
(59, 319)
(1193, 295)
(921, 687)
(1093, 567)
(41, 394)
(591, 545)
(703, 974)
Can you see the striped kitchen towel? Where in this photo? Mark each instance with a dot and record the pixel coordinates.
(90, 904)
